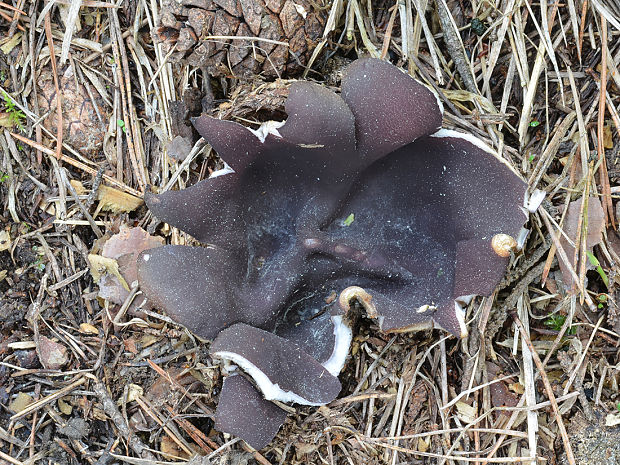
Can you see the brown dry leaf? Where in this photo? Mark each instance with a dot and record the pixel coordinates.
(163, 389)
(52, 355)
(501, 396)
(171, 448)
(130, 346)
(595, 225)
(121, 252)
(130, 240)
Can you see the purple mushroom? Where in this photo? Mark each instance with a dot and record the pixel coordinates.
(360, 194)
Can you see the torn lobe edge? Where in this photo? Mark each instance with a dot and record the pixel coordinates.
(343, 336)
(365, 299)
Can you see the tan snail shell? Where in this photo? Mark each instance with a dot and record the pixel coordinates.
(503, 244)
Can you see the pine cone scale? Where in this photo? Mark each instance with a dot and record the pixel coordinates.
(188, 24)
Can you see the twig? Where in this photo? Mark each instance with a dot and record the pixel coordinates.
(59, 122)
(455, 46)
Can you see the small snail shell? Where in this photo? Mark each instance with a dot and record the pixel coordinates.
(503, 244)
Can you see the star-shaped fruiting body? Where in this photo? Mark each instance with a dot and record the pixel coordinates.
(362, 194)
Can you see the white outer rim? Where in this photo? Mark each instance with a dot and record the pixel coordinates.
(270, 390)
(342, 343)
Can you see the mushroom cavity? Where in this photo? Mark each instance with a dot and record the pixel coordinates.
(358, 197)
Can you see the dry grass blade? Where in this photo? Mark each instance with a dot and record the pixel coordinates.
(70, 22)
(549, 390)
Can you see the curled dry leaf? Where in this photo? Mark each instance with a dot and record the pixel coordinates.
(593, 223)
(115, 269)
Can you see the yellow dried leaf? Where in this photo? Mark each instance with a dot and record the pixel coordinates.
(78, 186)
(116, 201)
(10, 44)
(6, 120)
(302, 449)
(134, 392)
(148, 340)
(608, 141)
(99, 414)
(171, 449)
(424, 444)
(5, 240)
(465, 412)
(21, 401)
(88, 328)
(517, 387)
(100, 265)
(64, 406)
(3, 274)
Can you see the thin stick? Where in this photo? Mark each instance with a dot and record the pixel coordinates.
(59, 123)
(604, 177)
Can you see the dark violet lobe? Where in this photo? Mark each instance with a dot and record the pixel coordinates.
(391, 108)
(319, 119)
(234, 142)
(478, 268)
(203, 210)
(202, 288)
(307, 321)
(243, 412)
